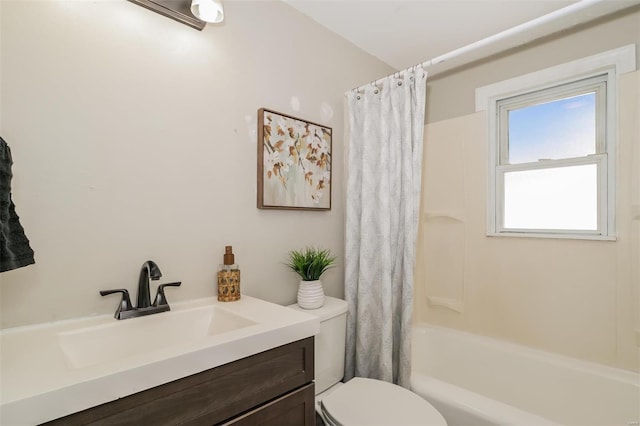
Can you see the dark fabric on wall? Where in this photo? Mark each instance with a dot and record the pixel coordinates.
(15, 251)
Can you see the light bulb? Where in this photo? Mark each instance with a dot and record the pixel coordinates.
(208, 10)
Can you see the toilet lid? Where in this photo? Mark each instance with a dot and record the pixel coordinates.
(369, 402)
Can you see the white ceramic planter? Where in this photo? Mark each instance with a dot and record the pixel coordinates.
(310, 294)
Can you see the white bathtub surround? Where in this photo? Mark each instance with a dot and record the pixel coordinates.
(478, 380)
(384, 167)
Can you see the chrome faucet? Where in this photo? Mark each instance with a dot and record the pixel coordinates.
(143, 306)
(149, 271)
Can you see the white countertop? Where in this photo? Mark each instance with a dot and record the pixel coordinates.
(39, 383)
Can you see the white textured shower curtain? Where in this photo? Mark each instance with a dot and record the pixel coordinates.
(384, 163)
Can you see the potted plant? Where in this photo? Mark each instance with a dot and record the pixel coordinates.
(310, 263)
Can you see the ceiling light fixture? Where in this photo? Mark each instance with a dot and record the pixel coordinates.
(208, 10)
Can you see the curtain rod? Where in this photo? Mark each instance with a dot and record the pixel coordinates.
(549, 17)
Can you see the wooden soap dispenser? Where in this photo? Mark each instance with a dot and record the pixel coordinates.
(228, 278)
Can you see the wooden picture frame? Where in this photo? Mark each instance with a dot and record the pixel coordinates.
(294, 163)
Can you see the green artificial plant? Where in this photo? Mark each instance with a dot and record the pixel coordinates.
(311, 262)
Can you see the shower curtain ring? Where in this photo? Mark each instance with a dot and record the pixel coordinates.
(375, 87)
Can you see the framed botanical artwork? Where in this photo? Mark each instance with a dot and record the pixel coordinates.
(294, 163)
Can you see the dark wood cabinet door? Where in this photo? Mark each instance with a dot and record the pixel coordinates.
(216, 395)
(293, 409)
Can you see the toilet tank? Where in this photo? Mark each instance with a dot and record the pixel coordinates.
(330, 342)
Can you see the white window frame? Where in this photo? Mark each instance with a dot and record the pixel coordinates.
(550, 84)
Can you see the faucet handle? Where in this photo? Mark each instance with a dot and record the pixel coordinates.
(160, 299)
(125, 302)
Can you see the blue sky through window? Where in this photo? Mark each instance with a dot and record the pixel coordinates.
(564, 128)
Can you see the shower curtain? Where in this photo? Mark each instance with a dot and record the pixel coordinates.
(384, 162)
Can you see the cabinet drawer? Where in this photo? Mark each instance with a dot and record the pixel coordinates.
(293, 409)
(212, 396)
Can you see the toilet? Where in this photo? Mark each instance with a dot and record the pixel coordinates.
(360, 401)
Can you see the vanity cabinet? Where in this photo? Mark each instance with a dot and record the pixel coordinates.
(274, 387)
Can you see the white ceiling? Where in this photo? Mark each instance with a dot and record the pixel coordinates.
(403, 33)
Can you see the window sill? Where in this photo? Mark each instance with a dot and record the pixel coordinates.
(554, 236)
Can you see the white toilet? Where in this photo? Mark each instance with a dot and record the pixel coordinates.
(360, 401)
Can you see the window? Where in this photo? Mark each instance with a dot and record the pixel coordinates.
(552, 149)
(550, 171)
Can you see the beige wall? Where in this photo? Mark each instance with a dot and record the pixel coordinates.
(451, 94)
(134, 138)
(574, 297)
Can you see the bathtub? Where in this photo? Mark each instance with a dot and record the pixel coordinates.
(478, 381)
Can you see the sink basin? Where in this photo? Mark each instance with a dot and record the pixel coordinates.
(51, 370)
(107, 342)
